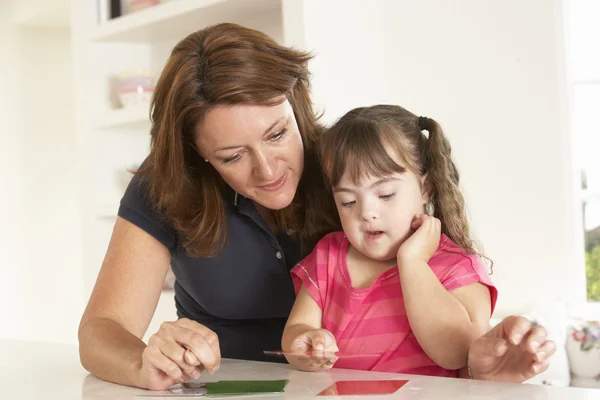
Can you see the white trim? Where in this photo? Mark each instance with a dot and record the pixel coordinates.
(308, 276)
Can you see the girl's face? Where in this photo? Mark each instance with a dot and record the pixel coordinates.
(377, 212)
(257, 150)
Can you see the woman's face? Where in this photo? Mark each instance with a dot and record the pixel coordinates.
(257, 150)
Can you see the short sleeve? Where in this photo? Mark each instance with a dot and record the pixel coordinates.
(456, 269)
(136, 208)
(314, 272)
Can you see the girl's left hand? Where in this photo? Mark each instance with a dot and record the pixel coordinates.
(421, 245)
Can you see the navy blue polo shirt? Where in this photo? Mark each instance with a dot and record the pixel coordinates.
(245, 293)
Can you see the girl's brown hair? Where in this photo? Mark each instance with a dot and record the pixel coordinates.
(224, 64)
(361, 142)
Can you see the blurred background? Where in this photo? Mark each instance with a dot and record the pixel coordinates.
(514, 83)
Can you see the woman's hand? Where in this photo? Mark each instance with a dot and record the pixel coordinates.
(178, 352)
(315, 350)
(512, 351)
(423, 243)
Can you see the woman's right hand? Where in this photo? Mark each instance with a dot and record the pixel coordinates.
(178, 352)
(315, 350)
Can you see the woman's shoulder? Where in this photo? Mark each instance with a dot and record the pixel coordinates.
(137, 208)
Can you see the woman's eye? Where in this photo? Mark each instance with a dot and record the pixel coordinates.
(231, 159)
(349, 203)
(387, 196)
(279, 135)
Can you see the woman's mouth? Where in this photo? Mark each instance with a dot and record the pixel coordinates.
(275, 185)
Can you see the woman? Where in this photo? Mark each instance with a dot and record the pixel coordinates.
(231, 196)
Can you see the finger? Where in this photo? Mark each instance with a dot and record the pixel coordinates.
(333, 348)
(319, 342)
(537, 335)
(191, 358)
(316, 339)
(515, 328)
(321, 339)
(326, 363)
(545, 351)
(208, 335)
(201, 341)
(332, 359)
(417, 222)
(176, 353)
(158, 360)
(201, 347)
(539, 367)
(301, 344)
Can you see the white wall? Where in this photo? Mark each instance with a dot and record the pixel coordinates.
(40, 248)
(491, 72)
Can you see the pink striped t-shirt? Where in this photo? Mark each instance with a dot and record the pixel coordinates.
(373, 320)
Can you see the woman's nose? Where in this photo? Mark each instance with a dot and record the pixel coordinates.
(263, 167)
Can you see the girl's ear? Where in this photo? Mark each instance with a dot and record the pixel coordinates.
(425, 189)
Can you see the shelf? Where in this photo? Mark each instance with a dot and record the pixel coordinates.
(179, 18)
(125, 118)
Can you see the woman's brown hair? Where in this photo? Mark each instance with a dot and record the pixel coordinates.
(225, 64)
(361, 142)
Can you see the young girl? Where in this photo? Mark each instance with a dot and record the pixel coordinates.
(402, 284)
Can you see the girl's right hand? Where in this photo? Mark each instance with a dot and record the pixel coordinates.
(316, 350)
(178, 352)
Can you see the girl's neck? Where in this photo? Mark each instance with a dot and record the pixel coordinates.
(364, 270)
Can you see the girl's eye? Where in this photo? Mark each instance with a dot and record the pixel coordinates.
(279, 135)
(387, 196)
(232, 159)
(349, 203)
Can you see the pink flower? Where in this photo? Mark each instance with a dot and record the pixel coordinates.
(579, 336)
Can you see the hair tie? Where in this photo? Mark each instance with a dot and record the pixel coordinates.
(423, 123)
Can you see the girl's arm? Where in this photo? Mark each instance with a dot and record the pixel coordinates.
(303, 333)
(445, 323)
(305, 316)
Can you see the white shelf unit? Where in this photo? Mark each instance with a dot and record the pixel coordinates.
(112, 138)
(178, 18)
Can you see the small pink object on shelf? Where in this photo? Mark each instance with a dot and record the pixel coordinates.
(139, 5)
(135, 87)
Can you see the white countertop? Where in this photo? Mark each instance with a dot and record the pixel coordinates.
(42, 371)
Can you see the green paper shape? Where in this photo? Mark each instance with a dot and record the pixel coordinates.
(238, 387)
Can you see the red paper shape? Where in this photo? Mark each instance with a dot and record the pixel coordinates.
(346, 388)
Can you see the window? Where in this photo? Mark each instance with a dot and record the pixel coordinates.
(584, 79)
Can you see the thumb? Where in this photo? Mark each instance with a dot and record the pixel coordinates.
(485, 349)
(321, 339)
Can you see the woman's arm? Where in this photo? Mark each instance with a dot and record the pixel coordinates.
(445, 323)
(120, 309)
